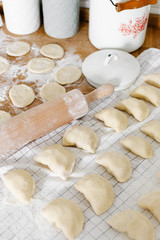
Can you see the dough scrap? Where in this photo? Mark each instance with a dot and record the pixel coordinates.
(153, 79)
(82, 137)
(137, 108)
(138, 145)
(53, 51)
(4, 116)
(51, 90)
(151, 202)
(21, 95)
(113, 118)
(4, 65)
(17, 49)
(68, 74)
(135, 224)
(98, 191)
(66, 215)
(40, 65)
(148, 93)
(117, 164)
(59, 159)
(152, 129)
(20, 183)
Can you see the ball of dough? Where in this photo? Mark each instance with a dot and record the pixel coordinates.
(152, 129)
(53, 51)
(117, 164)
(98, 191)
(40, 65)
(59, 159)
(66, 215)
(137, 108)
(68, 74)
(151, 202)
(138, 145)
(153, 79)
(4, 65)
(17, 49)
(21, 95)
(134, 223)
(81, 137)
(4, 116)
(20, 183)
(51, 90)
(113, 118)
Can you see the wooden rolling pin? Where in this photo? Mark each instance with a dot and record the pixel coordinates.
(40, 120)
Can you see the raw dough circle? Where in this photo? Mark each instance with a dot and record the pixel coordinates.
(68, 74)
(4, 65)
(40, 65)
(51, 90)
(17, 49)
(21, 95)
(4, 116)
(53, 51)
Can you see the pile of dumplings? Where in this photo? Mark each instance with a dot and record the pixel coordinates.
(65, 214)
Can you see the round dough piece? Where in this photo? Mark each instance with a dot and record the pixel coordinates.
(51, 90)
(21, 95)
(68, 74)
(66, 215)
(20, 183)
(4, 65)
(4, 116)
(40, 65)
(17, 49)
(53, 51)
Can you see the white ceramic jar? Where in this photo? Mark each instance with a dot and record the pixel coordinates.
(124, 30)
(22, 16)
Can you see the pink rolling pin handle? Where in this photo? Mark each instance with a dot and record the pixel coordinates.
(46, 117)
(133, 4)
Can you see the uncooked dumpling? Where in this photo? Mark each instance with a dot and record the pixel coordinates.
(4, 116)
(117, 164)
(137, 108)
(81, 137)
(51, 90)
(4, 65)
(59, 159)
(148, 93)
(68, 74)
(153, 79)
(40, 65)
(113, 118)
(17, 49)
(20, 183)
(21, 95)
(66, 216)
(152, 129)
(138, 145)
(151, 202)
(98, 191)
(134, 223)
(53, 51)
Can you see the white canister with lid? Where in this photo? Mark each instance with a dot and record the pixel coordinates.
(112, 26)
(22, 16)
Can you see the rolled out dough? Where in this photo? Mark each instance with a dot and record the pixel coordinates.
(40, 65)
(4, 65)
(53, 51)
(17, 49)
(51, 90)
(4, 116)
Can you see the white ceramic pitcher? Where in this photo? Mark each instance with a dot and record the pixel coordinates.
(112, 26)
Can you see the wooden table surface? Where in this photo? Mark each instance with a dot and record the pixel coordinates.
(83, 48)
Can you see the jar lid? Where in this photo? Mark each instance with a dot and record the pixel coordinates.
(112, 66)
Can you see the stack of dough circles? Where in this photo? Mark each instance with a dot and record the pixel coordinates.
(4, 65)
(53, 51)
(51, 90)
(4, 116)
(17, 49)
(21, 95)
(68, 74)
(40, 65)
